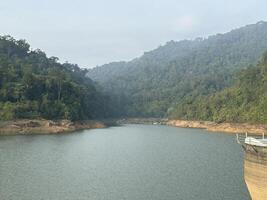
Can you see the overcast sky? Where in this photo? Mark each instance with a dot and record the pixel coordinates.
(92, 33)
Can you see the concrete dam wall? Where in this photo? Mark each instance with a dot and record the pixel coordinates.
(255, 171)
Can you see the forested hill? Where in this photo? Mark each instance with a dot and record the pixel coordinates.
(156, 82)
(35, 86)
(245, 101)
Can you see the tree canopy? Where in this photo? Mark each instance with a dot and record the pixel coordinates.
(35, 86)
(245, 101)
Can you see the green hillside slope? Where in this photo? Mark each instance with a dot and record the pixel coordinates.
(35, 86)
(155, 83)
(245, 101)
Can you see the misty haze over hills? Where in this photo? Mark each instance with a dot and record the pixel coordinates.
(155, 83)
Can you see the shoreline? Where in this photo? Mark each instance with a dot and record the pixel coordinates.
(43, 127)
(141, 121)
(226, 127)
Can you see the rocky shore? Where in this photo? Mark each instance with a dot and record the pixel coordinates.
(41, 126)
(27, 127)
(256, 129)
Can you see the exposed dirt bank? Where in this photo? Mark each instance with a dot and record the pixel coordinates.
(256, 129)
(25, 127)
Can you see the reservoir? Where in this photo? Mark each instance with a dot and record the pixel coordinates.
(135, 162)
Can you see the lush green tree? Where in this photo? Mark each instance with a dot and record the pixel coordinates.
(35, 86)
(245, 101)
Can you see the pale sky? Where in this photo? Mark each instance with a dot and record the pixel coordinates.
(92, 33)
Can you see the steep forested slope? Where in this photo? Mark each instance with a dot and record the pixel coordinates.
(245, 101)
(33, 85)
(155, 83)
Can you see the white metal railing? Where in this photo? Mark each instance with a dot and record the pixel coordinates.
(256, 140)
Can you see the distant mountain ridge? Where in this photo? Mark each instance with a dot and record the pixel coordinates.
(153, 84)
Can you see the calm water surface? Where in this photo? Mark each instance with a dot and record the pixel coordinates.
(135, 162)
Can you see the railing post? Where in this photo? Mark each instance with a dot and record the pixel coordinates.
(237, 138)
(246, 134)
(263, 137)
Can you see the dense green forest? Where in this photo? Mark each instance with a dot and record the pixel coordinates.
(245, 101)
(189, 79)
(158, 81)
(35, 86)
